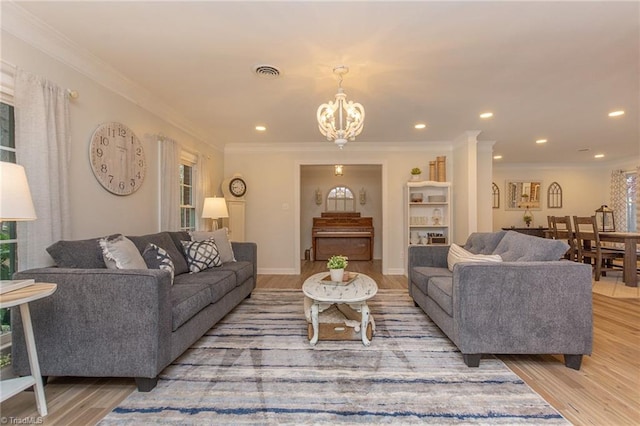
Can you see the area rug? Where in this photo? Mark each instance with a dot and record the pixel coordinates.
(257, 367)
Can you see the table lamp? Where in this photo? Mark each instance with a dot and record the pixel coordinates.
(214, 208)
(15, 205)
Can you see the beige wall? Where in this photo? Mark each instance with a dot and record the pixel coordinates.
(584, 189)
(96, 212)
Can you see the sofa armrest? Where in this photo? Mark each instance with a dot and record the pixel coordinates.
(523, 307)
(99, 322)
(248, 252)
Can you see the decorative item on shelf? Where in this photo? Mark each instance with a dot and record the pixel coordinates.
(214, 208)
(340, 120)
(527, 217)
(432, 171)
(363, 196)
(437, 217)
(414, 237)
(441, 168)
(337, 265)
(415, 173)
(318, 196)
(417, 197)
(338, 170)
(605, 219)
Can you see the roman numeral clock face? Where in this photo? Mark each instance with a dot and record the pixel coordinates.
(117, 158)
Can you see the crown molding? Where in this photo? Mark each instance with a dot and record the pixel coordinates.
(368, 147)
(26, 27)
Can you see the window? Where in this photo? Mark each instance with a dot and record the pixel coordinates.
(631, 180)
(341, 199)
(187, 198)
(8, 242)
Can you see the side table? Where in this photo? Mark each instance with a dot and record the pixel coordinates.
(22, 297)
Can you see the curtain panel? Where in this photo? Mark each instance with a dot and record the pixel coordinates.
(169, 184)
(42, 126)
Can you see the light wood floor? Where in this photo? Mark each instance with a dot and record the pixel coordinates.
(606, 391)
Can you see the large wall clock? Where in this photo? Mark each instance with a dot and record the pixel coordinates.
(117, 158)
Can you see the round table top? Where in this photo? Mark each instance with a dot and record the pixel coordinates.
(360, 289)
(27, 294)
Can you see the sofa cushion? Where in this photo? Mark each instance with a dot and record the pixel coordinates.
(187, 300)
(164, 240)
(517, 247)
(121, 253)
(218, 281)
(458, 254)
(422, 274)
(157, 258)
(484, 242)
(242, 270)
(201, 255)
(85, 254)
(441, 291)
(221, 237)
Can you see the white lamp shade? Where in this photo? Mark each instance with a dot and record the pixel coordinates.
(15, 197)
(214, 208)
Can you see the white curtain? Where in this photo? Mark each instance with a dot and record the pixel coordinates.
(43, 147)
(638, 199)
(204, 188)
(618, 199)
(169, 184)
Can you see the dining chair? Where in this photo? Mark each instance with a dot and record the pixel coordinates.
(562, 230)
(589, 247)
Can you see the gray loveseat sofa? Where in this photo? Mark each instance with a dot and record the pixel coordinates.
(530, 303)
(127, 322)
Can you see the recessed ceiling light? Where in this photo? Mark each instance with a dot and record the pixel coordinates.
(486, 115)
(598, 156)
(497, 157)
(420, 126)
(616, 113)
(261, 128)
(540, 141)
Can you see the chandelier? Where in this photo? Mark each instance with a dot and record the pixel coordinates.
(340, 120)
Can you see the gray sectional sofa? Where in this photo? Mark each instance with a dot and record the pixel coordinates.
(127, 322)
(528, 303)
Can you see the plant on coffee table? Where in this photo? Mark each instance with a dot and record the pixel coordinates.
(336, 265)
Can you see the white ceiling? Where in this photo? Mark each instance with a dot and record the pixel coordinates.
(546, 70)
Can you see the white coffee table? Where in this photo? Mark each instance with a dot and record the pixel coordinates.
(323, 294)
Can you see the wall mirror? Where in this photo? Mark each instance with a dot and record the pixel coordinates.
(523, 195)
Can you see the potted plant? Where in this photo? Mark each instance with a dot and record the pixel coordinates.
(528, 217)
(415, 173)
(336, 265)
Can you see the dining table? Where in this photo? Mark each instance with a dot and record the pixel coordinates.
(630, 241)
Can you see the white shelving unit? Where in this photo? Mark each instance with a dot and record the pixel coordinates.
(428, 213)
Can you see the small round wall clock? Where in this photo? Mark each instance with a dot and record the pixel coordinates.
(117, 158)
(237, 186)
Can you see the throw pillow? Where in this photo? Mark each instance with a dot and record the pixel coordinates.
(201, 255)
(221, 237)
(517, 247)
(458, 254)
(121, 253)
(157, 258)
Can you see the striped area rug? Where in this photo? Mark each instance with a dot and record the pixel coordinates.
(256, 367)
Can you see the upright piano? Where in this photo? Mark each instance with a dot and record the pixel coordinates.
(344, 233)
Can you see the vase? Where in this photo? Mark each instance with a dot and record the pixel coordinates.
(336, 275)
(415, 177)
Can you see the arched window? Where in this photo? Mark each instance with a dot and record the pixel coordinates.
(341, 199)
(554, 196)
(495, 193)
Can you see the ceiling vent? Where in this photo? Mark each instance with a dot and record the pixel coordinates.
(266, 71)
